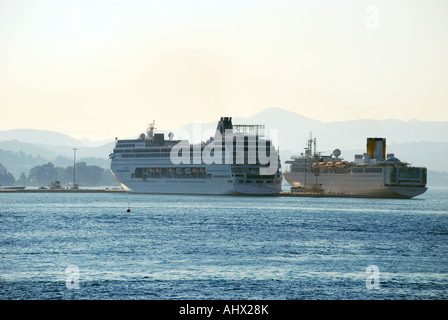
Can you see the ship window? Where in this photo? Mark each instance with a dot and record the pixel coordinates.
(373, 169)
(124, 145)
(410, 173)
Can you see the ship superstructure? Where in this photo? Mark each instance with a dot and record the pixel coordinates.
(231, 162)
(371, 174)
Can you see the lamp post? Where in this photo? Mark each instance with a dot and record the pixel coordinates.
(74, 169)
(306, 155)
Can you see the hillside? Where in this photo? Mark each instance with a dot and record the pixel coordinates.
(422, 143)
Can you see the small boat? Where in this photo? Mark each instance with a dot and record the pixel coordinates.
(12, 188)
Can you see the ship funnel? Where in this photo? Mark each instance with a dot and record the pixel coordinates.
(377, 148)
(224, 124)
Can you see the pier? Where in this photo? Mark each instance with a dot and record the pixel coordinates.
(281, 194)
(112, 190)
(47, 190)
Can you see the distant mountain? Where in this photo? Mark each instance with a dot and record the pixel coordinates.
(23, 149)
(40, 137)
(18, 162)
(422, 143)
(295, 128)
(51, 152)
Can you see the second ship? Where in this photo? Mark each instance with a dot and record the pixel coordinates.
(372, 174)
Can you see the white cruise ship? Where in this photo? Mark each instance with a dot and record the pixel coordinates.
(372, 174)
(225, 164)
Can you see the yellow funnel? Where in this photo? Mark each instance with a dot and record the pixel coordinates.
(377, 148)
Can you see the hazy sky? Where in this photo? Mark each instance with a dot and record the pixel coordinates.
(102, 69)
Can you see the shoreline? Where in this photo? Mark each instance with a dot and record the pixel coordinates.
(61, 190)
(281, 194)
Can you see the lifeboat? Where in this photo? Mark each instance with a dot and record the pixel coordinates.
(322, 163)
(201, 169)
(194, 169)
(340, 164)
(329, 164)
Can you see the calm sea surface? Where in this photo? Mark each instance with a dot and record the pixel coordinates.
(87, 246)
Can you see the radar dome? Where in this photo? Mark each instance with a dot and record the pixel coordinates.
(391, 158)
(336, 152)
(142, 136)
(171, 135)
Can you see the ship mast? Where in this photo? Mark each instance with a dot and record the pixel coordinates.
(150, 131)
(309, 150)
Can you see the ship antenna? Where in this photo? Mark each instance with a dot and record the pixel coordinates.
(150, 130)
(310, 145)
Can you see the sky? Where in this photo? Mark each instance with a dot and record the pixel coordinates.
(105, 69)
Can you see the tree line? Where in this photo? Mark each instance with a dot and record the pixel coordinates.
(43, 175)
(6, 178)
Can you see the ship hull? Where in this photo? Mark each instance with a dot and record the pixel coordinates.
(349, 185)
(407, 192)
(215, 186)
(254, 189)
(159, 186)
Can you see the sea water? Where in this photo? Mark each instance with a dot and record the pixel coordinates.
(88, 246)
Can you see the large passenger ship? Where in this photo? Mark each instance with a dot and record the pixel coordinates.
(237, 160)
(371, 174)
